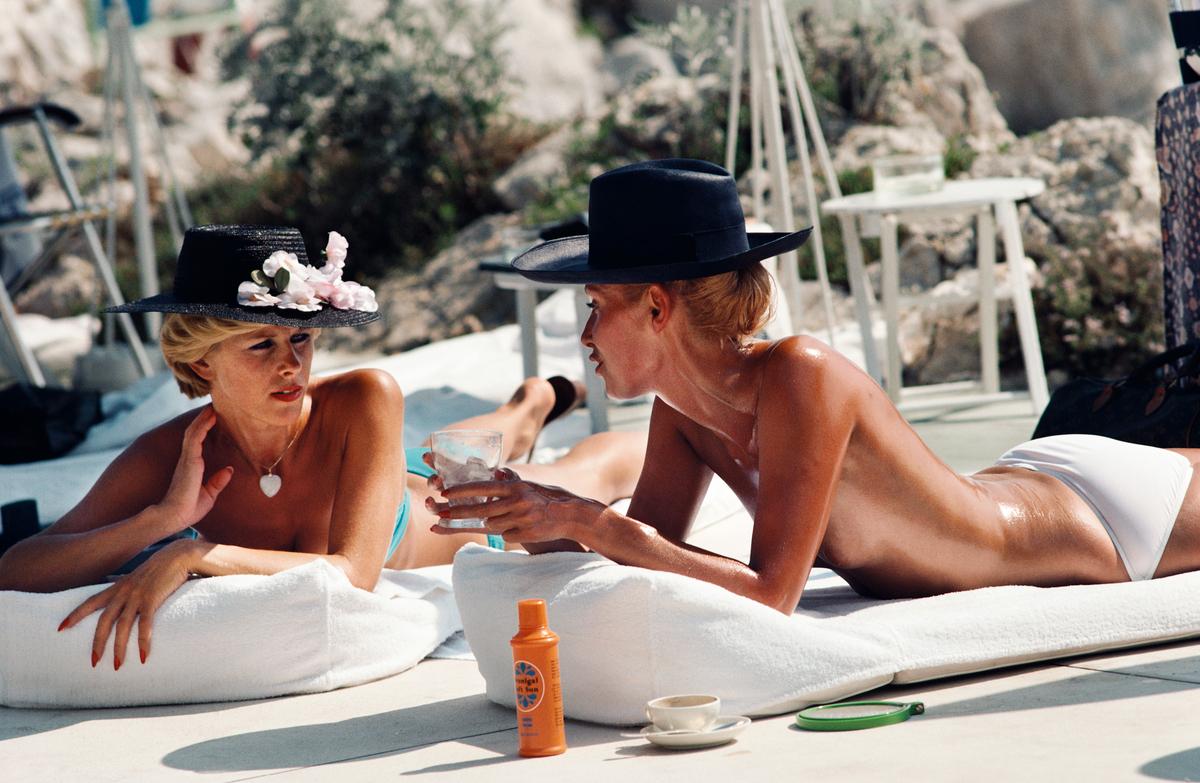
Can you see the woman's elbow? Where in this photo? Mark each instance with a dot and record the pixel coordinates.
(362, 577)
(10, 578)
(781, 598)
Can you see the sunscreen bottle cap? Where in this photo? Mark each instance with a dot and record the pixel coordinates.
(531, 614)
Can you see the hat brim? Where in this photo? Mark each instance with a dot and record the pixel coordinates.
(566, 261)
(328, 317)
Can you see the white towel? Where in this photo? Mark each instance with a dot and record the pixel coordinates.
(628, 635)
(228, 638)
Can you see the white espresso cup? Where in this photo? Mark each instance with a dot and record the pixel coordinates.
(690, 712)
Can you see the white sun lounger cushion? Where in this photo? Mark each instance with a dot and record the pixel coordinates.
(229, 638)
(628, 634)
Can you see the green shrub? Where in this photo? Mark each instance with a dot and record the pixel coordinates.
(958, 157)
(389, 129)
(852, 57)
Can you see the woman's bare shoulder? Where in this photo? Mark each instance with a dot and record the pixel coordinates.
(137, 478)
(367, 384)
(801, 373)
(368, 396)
(163, 441)
(805, 358)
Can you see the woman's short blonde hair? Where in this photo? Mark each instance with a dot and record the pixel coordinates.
(735, 304)
(189, 338)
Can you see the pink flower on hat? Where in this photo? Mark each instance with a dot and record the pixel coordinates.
(335, 256)
(254, 295)
(304, 287)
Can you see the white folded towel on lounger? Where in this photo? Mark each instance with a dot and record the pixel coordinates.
(229, 638)
(628, 634)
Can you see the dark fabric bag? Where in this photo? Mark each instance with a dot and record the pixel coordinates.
(1178, 161)
(41, 423)
(1151, 406)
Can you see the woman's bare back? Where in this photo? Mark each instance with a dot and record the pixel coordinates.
(903, 523)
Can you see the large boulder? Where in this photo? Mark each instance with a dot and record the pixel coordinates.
(945, 90)
(69, 286)
(631, 60)
(556, 70)
(863, 143)
(539, 169)
(448, 298)
(1094, 234)
(1052, 59)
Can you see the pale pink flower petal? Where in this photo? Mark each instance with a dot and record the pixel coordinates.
(254, 295)
(276, 260)
(335, 253)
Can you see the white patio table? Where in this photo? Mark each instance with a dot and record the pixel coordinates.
(993, 201)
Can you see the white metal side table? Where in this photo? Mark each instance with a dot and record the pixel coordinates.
(993, 202)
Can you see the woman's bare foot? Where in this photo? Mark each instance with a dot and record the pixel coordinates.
(530, 404)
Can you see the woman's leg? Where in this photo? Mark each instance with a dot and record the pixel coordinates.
(519, 420)
(604, 466)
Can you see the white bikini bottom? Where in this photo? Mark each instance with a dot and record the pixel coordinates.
(1136, 491)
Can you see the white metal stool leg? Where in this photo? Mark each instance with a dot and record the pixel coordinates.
(527, 319)
(989, 352)
(860, 289)
(1014, 255)
(890, 260)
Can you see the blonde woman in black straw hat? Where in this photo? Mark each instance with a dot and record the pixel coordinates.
(280, 468)
(828, 468)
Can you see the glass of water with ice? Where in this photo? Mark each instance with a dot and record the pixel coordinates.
(463, 456)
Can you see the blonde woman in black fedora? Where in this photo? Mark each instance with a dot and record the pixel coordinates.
(827, 467)
(280, 468)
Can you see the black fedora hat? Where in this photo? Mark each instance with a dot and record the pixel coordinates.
(655, 221)
(260, 274)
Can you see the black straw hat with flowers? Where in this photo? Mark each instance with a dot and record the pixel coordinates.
(261, 274)
(656, 221)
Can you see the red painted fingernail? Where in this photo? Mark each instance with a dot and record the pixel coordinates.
(62, 625)
(116, 663)
(95, 659)
(142, 654)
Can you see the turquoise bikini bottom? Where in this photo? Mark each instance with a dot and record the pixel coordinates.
(413, 458)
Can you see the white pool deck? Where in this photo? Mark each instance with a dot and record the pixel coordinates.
(1123, 716)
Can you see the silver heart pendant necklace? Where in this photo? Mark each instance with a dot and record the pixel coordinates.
(269, 483)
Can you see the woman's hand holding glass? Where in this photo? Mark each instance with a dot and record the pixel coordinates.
(520, 511)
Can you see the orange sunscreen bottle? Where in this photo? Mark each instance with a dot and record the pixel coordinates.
(539, 690)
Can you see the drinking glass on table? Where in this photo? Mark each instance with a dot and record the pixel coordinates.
(464, 456)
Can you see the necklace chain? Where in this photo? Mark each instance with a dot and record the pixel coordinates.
(292, 442)
(270, 468)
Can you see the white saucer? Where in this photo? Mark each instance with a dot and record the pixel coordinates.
(724, 730)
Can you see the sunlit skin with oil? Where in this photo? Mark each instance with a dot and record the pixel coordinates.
(827, 467)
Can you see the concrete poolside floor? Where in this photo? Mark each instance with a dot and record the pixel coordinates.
(1115, 716)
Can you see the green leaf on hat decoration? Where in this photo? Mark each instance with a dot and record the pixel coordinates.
(282, 278)
(260, 278)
